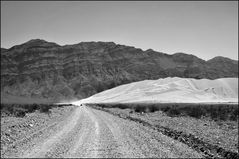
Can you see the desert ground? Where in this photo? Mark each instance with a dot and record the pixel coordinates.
(140, 119)
(90, 131)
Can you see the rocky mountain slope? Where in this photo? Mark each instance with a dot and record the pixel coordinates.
(39, 68)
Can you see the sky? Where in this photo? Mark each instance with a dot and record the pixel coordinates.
(203, 28)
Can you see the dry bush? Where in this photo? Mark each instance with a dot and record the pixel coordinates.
(19, 110)
(196, 110)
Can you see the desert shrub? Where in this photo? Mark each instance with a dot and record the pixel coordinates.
(7, 109)
(149, 108)
(144, 109)
(122, 106)
(139, 108)
(234, 115)
(45, 108)
(61, 105)
(196, 112)
(19, 111)
(165, 109)
(101, 105)
(20, 114)
(222, 113)
(154, 108)
(213, 111)
(173, 112)
(214, 115)
(31, 107)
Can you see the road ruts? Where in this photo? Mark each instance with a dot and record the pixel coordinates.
(97, 134)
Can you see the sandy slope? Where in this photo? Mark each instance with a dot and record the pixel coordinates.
(94, 133)
(171, 90)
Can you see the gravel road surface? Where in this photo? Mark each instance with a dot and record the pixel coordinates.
(93, 133)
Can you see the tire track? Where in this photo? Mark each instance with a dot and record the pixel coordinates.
(208, 150)
(98, 134)
(144, 142)
(48, 148)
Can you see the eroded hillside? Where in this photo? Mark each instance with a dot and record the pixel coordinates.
(39, 68)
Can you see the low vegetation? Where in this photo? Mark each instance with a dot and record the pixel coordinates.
(20, 110)
(216, 138)
(197, 110)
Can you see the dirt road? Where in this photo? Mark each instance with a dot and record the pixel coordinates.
(94, 133)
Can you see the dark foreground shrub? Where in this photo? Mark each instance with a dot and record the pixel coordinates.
(139, 108)
(20, 110)
(234, 115)
(165, 109)
(45, 108)
(196, 110)
(121, 106)
(214, 111)
(173, 112)
(153, 108)
(31, 107)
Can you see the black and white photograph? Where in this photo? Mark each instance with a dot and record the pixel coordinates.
(119, 79)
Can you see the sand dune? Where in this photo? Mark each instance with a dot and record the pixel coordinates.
(181, 90)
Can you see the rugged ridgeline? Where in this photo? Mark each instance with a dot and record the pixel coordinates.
(39, 68)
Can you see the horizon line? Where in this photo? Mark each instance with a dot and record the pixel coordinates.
(115, 44)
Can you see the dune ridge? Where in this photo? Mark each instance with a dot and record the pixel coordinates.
(169, 90)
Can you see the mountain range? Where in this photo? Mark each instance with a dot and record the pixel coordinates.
(42, 69)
